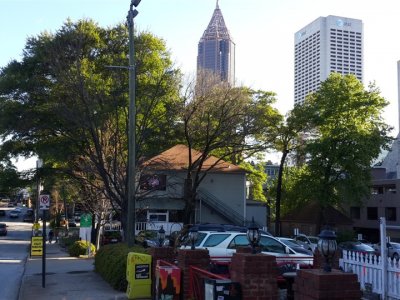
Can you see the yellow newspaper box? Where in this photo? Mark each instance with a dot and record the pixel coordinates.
(138, 275)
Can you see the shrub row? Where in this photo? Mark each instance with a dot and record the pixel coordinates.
(81, 248)
(110, 263)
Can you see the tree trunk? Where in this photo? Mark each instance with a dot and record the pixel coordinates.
(279, 194)
(189, 202)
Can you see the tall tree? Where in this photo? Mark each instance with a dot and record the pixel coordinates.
(348, 133)
(224, 121)
(63, 103)
(288, 138)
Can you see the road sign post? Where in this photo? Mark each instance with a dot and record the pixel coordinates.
(44, 203)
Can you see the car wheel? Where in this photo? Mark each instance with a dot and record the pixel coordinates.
(395, 256)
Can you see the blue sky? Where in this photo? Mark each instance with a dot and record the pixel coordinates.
(263, 31)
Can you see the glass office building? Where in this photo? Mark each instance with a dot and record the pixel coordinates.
(328, 44)
(216, 50)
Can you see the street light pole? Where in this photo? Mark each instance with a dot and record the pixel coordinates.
(39, 165)
(131, 181)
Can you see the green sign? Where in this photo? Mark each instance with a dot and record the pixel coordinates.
(86, 220)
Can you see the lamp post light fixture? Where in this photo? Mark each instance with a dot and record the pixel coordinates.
(327, 247)
(193, 237)
(131, 176)
(161, 236)
(253, 235)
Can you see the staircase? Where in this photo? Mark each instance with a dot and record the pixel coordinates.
(221, 208)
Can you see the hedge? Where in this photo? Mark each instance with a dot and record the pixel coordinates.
(110, 263)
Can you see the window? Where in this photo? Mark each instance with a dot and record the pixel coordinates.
(238, 241)
(377, 190)
(158, 216)
(215, 239)
(391, 189)
(390, 213)
(153, 182)
(355, 212)
(372, 213)
(270, 245)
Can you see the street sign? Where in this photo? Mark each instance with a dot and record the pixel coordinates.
(37, 246)
(86, 220)
(44, 201)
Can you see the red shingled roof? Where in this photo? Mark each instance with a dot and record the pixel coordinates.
(177, 158)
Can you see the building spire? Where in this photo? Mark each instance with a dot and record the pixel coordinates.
(216, 29)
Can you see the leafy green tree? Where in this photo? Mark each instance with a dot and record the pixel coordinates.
(63, 103)
(10, 181)
(347, 134)
(288, 139)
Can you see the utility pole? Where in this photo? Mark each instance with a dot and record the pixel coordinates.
(131, 174)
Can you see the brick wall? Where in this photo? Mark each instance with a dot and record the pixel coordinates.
(257, 275)
(316, 284)
(164, 253)
(198, 258)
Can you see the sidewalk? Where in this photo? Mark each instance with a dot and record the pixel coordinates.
(67, 278)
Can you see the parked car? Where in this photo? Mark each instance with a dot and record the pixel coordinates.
(393, 249)
(15, 213)
(310, 241)
(149, 238)
(222, 245)
(110, 237)
(3, 229)
(72, 222)
(356, 246)
(28, 218)
(296, 246)
(2, 213)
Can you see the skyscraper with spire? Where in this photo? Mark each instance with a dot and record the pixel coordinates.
(216, 50)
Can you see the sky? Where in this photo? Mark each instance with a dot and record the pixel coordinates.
(263, 31)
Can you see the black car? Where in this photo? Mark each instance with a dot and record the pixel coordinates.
(28, 218)
(3, 229)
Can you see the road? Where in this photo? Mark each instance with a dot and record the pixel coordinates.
(13, 253)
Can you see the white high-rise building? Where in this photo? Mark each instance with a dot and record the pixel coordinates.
(328, 44)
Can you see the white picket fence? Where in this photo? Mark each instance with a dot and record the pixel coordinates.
(369, 269)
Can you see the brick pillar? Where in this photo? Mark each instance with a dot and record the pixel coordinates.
(199, 258)
(164, 253)
(315, 284)
(319, 260)
(257, 275)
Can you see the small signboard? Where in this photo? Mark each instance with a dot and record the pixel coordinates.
(37, 246)
(44, 201)
(86, 220)
(142, 271)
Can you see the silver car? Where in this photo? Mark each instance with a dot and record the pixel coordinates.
(222, 245)
(393, 249)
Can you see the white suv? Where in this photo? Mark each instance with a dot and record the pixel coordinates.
(222, 245)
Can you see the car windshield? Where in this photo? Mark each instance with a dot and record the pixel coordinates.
(313, 240)
(290, 243)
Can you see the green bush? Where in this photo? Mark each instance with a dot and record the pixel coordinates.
(68, 241)
(81, 248)
(110, 263)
